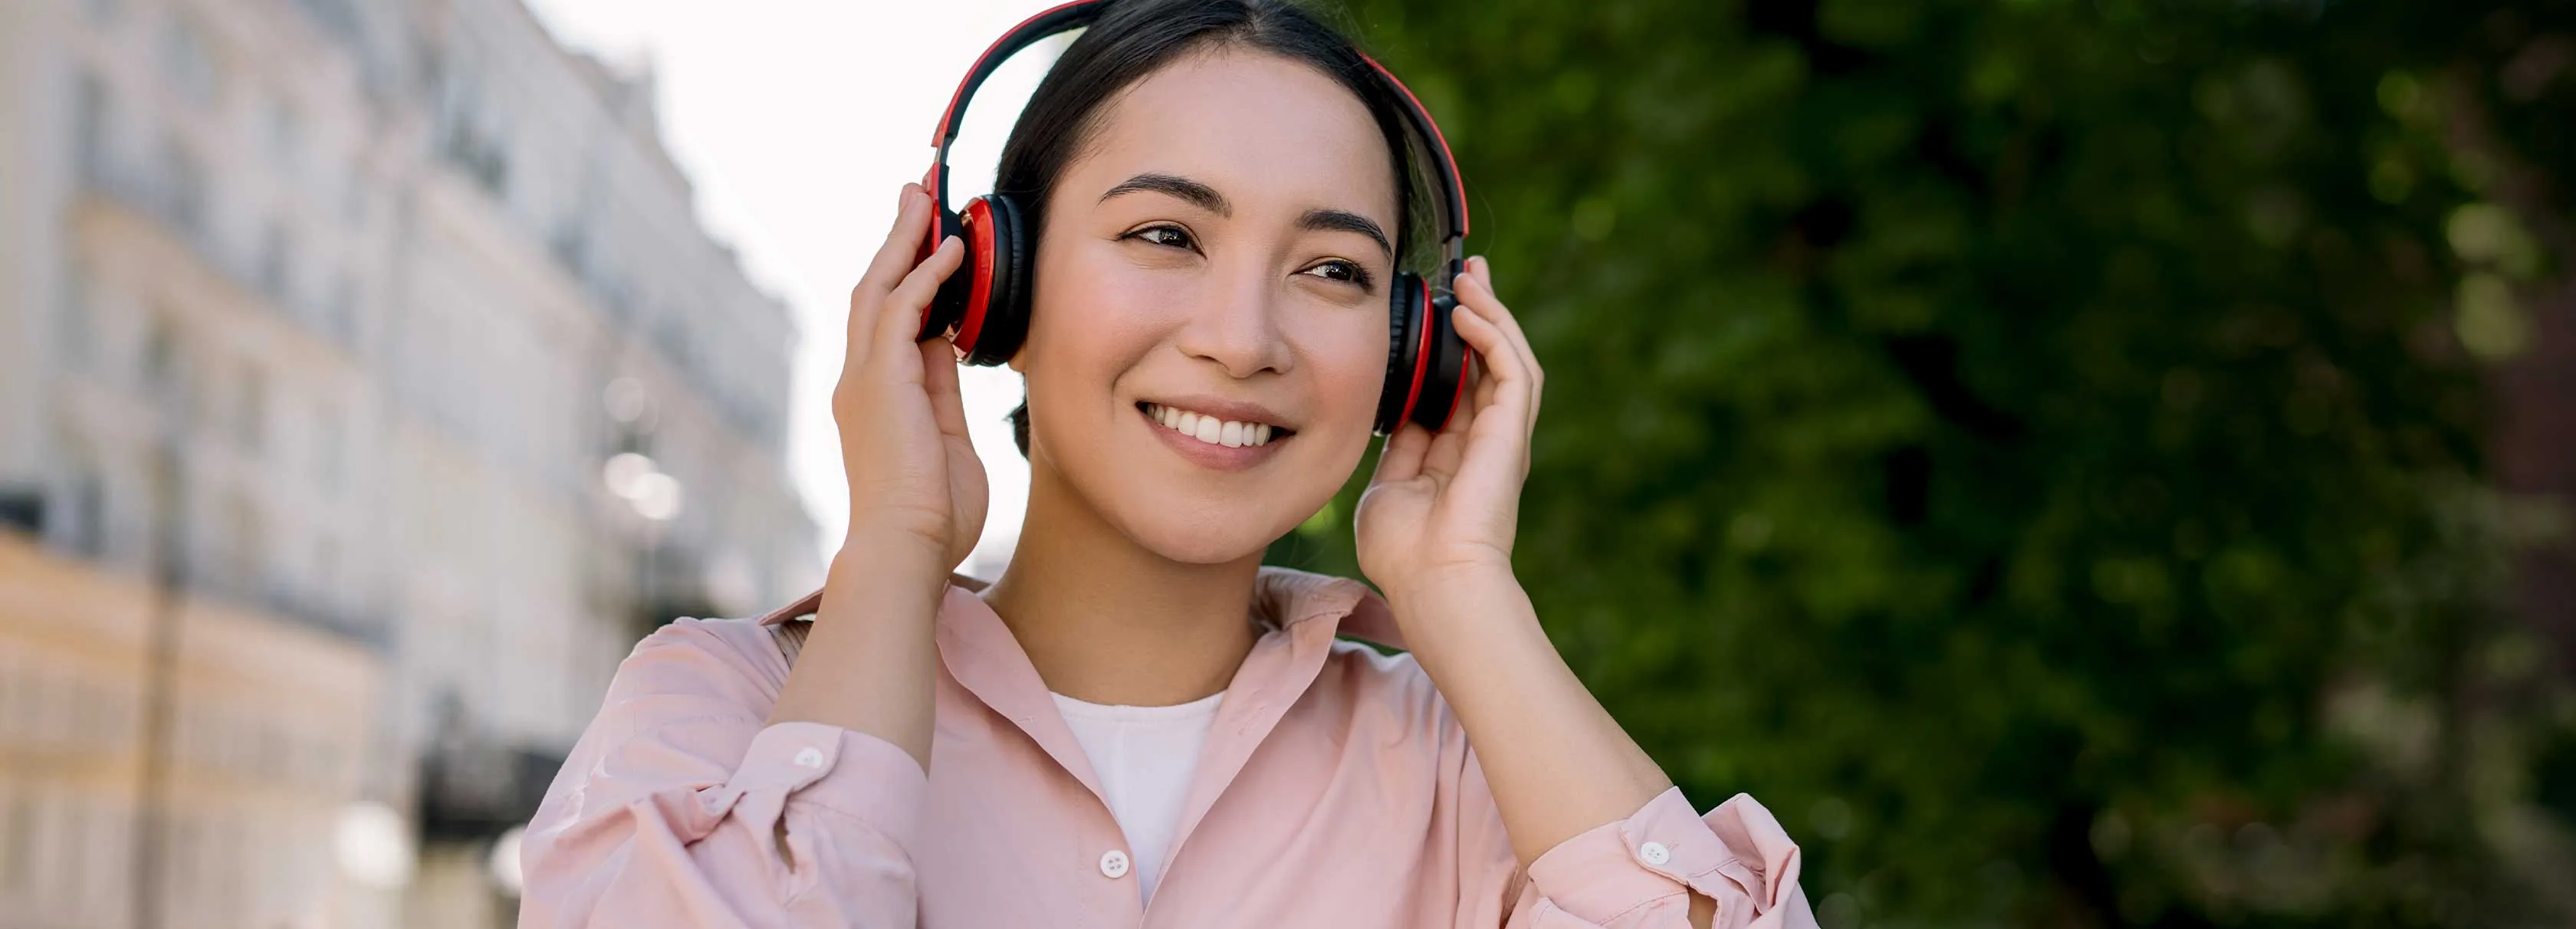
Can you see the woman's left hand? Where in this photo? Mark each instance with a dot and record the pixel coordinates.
(1446, 505)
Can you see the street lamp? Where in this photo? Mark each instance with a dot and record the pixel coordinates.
(637, 479)
(373, 845)
(503, 865)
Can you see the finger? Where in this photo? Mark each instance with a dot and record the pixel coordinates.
(1494, 456)
(867, 297)
(1474, 294)
(1449, 446)
(1485, 386)
(900, 318)
(1483, 270)
(903, 242)
(1401, 457)
(1474, 290)
(939, 376)
(1494, 352)
(1513, 391)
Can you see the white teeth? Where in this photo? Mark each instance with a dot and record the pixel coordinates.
(1210, 429)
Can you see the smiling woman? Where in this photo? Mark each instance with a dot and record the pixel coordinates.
(1193, 257)
(1188, 269)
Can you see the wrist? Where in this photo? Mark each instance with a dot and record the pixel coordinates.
(1436, 583)
(890, 555)
(1434, 595)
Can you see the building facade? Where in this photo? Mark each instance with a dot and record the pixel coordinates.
(383, 331)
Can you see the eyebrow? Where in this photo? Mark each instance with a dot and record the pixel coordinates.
(1206, 198)
(1200, 195)
(1346, 221)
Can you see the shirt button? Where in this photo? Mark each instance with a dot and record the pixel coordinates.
(1113, 864)
(1654, 853)
(811, 757)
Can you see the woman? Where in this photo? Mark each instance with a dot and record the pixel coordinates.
(1138, 722)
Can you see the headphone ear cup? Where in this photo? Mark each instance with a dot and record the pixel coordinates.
(1444, 365)
(1405, 306)
(1006, 310)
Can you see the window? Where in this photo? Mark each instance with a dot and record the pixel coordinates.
(44, 725)
(250, 408)
(326, 569)
(17, 840)
(327, 454)
(180, 856)
(85, 526)
(160, 353)
(74, 330)
(183, 180)
(273, 257)
(92, 111)
(283, 130)
(245, 547)
(14, 706)
(72, 856)
(340, 313)
(353, 194)
(188, 62)
(110, 828)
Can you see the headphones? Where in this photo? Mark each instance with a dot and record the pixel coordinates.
(984, 306)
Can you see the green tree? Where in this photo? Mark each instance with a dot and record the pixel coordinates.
(2036, 448)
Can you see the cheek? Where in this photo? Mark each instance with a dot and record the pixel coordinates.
(1348, 359)
(1091, 320)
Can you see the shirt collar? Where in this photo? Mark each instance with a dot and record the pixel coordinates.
(1302, 610)
(1285, 597)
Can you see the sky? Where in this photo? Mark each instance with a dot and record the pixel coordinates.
(797, 123)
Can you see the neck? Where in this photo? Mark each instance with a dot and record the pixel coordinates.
(1105, 620)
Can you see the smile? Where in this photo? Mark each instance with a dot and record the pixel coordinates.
(1213, 442)
(1211, 430)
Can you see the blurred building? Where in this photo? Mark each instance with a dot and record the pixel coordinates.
(367, 386)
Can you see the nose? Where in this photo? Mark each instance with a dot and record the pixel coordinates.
(1239, 327)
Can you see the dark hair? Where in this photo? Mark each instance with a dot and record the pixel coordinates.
(1135, 38)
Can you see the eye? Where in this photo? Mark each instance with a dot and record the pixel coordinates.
(1166, 235)
(1340, 270)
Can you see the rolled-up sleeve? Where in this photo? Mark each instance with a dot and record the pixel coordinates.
(1640, 872)
(678, 807)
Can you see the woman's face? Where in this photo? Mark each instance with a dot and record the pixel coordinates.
(1219, 249)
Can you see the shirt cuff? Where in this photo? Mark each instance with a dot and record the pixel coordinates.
(1660, 850)
(842, 771)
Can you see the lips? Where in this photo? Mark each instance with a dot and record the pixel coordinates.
(1214, 441)
(1208, 428)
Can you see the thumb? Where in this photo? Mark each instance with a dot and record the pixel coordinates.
(1400, 457)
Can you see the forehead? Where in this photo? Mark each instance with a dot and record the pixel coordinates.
(1261, 129)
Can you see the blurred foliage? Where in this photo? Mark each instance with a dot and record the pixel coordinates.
(2038, 448)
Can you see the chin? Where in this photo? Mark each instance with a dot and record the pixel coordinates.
(1216, 539)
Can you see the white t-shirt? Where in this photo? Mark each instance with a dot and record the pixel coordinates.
(1144, 756)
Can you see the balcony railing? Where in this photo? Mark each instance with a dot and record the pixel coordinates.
(169, 201)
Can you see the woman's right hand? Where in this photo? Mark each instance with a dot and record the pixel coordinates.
(912, 470)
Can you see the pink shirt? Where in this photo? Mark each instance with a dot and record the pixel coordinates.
(1335, 790)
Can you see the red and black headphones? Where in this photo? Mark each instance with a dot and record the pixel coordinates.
(984, 306)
